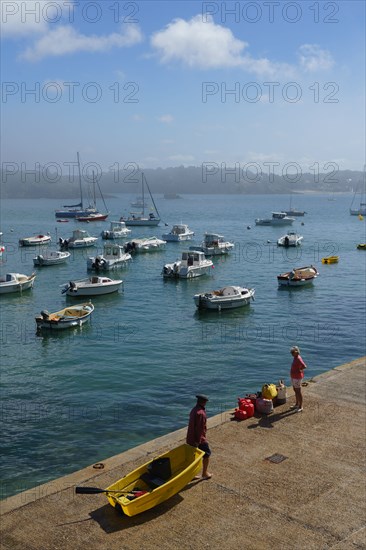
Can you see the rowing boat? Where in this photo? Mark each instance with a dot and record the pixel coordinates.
(153, 482)
(330, 260)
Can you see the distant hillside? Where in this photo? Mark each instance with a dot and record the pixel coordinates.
(208, 179)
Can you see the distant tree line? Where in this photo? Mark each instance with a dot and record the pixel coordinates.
(209, 178)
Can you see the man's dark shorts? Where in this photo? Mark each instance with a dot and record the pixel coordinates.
(206, 448)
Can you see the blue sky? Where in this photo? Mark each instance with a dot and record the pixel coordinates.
(181, 83)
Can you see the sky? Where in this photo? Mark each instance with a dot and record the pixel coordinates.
(256, 85)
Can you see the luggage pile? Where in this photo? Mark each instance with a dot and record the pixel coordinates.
(261, 402)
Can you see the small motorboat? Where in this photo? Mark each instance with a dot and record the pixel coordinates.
(290, 239)
(179, 232)
(361, 246)
(72, 316)
(193, 264)
(51, 257)
(228, 297)
(79, 239)
(330, 260)
(149, 244)
(16, 282)
(153, 482)
(113, 257)
(35, 241)
(117, 230)
(298, 276)
(92, 286)
(214, 245)
(278, 218)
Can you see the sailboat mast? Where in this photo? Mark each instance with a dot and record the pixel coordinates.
(148, 188)
(80, 187)
(143, 194)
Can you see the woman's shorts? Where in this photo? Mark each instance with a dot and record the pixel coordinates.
(206, 448)
(296, 382)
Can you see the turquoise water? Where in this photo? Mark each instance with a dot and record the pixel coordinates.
(75, 398)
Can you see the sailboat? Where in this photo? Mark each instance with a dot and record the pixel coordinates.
(361, 210)
(140, 218)
(75, 210)
(95, 216)
(292, 211)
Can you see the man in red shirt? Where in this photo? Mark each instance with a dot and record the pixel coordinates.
(196, 433)
(297, 374)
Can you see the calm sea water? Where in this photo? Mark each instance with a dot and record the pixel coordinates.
(78, 397)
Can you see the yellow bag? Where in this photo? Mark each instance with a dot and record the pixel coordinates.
(269, 391)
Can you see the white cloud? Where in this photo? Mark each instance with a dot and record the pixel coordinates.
(26, 17)
(167, 119)
(206, 45)
(66, 40)
(313, 58)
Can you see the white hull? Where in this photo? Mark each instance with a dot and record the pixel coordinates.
(291, 239)
(20, 283)
(49, 325)
(83, 243)
(87, 287)
(298, 277)
(113, 257)
(73, 316)
(177, 238)
(217, 302)
(179, 232)
(34, 241)
(217, 250)
(278, 219)
(51, 258)
(150, 244)
(193, 264)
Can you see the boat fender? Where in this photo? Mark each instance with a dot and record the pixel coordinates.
(269, 391)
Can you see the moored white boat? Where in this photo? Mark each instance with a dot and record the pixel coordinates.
(141, 218)
(35, 240)
(16, 282)
(214, 245)
(71, 316)
(117, 230)
(278, 218)
(298, 276)
(92, 286)
(193, 264)
(51, 257)
(179, 232)
(148, 244)
(290, 239)
(228, 297)
(113, 257)
(79, 239)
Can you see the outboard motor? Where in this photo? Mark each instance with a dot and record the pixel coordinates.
(45, 315)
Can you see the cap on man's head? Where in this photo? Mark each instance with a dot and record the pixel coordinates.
(202, 397)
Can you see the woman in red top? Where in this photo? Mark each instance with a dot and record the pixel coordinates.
(297, 374)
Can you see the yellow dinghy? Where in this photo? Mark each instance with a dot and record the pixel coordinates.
(330, 260)
(153, 482)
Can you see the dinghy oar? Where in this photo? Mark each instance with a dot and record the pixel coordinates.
(96, 490)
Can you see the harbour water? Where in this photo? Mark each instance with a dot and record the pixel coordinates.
(74, 398)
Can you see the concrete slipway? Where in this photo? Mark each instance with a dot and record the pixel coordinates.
(315, 498)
